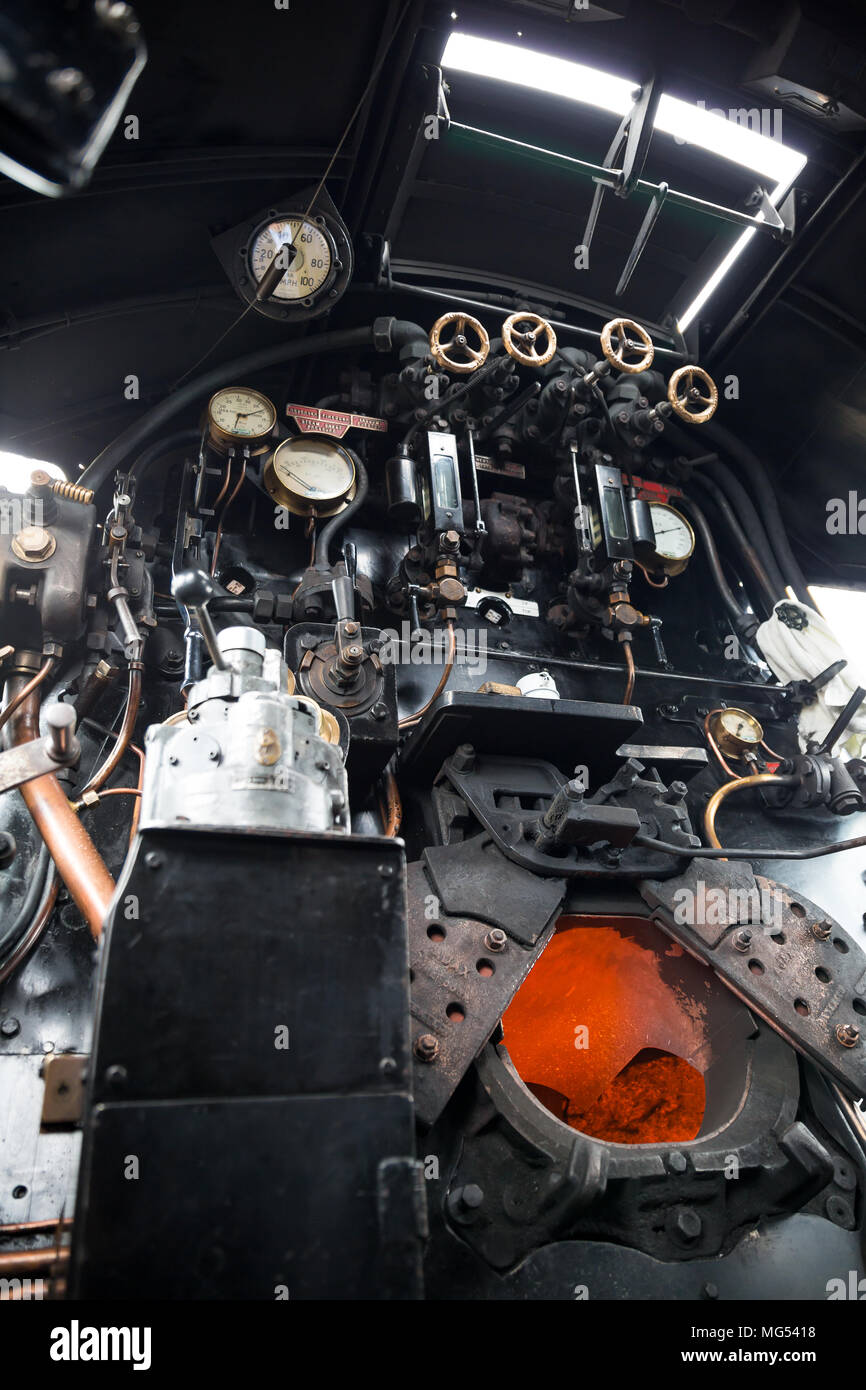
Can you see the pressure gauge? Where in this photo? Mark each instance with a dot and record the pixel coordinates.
(240, 418)
(308, 250)
(674, 539)
(736, 731)
(311, 476)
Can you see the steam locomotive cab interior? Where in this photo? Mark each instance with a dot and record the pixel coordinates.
(433, 785)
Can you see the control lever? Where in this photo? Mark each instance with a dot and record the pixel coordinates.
(805, 692)
(59, 748)
(480, 528)
(194, 589)
(661, 654)
(343, 585)
(844, 718)
(581, 525)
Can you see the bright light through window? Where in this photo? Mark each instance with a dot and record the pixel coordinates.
(686, 123)
(15, 470)
(845, 612)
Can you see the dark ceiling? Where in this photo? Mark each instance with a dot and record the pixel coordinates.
(240, 106)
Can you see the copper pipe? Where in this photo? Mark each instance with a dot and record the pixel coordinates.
(78, 861)
(219, 535)
(760, 779)
(222, 492)
(773, 754)
(16, 701)
(111, 791)
(130, 714)
(629, 665)
(391, 808)
(443, 680)
(26, 1228)
(31, 1261)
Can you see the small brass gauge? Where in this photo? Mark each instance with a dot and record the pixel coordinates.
(674, 539)
(311, 476)
(736, 731)
(240, 418)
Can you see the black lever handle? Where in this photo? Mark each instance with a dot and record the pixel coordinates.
(842, 721)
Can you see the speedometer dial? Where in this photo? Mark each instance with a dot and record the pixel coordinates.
(310, 476)
(307, 249)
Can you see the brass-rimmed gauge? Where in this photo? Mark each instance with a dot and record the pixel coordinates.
(311, 476)
(240, 418)
(308, 249)
(674, 539)
(735, 731)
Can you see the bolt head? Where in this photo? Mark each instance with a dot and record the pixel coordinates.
(10, 1028)
(687, 1224)
(34, 543)
(496, 940)
(847, 1035)
(426, 1047)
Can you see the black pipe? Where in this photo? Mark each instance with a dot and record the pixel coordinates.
(336, 524)
(490, 304)
(756, 851)
(113, 455)
(750, 521)
(745, 624)
(738, 497)
(756, 472)
(179, 440)
(747, 552)
(768, 515)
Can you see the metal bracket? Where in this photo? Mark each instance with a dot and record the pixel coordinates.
(441, 114)
(627, 153)
(640, 242)
(509, 797)
(781, 219)
(64, 1076)
(464, 975)
(59, 748)
(779, 953)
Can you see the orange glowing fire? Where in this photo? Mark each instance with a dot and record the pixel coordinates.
(604, 1042)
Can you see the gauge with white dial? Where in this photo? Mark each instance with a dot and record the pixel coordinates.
(735, 730)
(674, 538)
(239, 417)
(311, 476)
(307, 249)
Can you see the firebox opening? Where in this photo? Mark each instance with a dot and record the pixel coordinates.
(608, 1039)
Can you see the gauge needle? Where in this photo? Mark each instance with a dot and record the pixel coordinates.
(309, 486)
